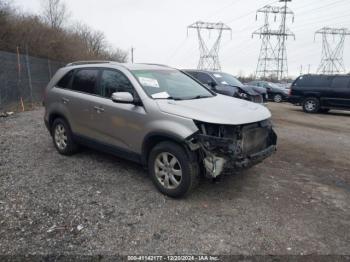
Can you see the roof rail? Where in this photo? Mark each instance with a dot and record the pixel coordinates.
(154, 64)
(90, 62)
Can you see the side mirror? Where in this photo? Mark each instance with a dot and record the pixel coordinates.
(122, 97)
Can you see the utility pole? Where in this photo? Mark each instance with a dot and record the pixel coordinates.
(132, 54)
(272, 60)
(209, 58)
(332, 61)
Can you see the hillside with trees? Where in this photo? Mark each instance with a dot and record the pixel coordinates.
(52, 35)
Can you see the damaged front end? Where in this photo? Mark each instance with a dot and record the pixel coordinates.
(228, 147)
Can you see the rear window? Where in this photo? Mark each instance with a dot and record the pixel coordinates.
(65, 80)
(85, 81)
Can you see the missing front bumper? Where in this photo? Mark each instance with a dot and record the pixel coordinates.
(249, 146)
(216, 165)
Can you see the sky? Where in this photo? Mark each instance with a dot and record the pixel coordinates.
(157, 29)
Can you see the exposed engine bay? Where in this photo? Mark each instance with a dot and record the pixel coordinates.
(225, 147)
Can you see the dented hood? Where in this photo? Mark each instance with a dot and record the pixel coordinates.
(219, 110)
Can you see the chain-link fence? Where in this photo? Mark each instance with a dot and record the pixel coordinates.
(23, 79)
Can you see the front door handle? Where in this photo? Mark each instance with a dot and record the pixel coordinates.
(99, 109)
(65, 100)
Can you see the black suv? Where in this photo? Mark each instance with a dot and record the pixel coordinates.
(320, 93)
(226, 84)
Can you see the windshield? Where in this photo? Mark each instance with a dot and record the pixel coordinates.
(227, 79)
(170, 84)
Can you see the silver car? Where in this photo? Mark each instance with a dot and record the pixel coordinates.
(157, 116)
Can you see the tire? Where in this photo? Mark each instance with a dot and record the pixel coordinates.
(277, 98)
(62, 137)
(172, 170)
(311, 105)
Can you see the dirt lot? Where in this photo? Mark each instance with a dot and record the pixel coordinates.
(296, 202)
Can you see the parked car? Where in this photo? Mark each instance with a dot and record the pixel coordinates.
(225, 84)
(261, 91)
(274, 92)
(159, 117)
(320, 93)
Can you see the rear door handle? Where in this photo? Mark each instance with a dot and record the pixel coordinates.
(65, 100)
(99, 109)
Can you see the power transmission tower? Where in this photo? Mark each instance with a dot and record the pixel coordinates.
(272, 60)
(332, 56)
(209, 58)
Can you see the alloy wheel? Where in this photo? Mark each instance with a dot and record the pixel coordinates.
(168, 170)
(310, 105)
(61, 138)
(277, 98)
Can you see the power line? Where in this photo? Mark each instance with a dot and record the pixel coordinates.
(249, 13)
(313, 22)
(321, 7)
(176, 50)
(214, 14)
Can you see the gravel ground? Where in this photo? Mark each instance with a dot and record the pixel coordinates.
(296, 202)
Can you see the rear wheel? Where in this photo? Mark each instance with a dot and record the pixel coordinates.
(173, 172)
(311, 105)
(277, 98)
(62, 137)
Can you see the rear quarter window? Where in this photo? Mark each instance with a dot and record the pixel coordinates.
(313, 81)
(341, 82)
(65, 80)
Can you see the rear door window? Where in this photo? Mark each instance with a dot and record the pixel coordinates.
(85, 80)
(341, 82)
(114, 81)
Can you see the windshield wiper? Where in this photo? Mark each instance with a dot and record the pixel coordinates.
(168, 98)
(198, 97)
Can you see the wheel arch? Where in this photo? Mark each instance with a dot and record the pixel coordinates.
(155, 138)
(55, 115)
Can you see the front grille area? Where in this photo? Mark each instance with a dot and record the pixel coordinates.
(257, 99)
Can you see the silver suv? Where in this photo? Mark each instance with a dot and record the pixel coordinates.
(157, 116)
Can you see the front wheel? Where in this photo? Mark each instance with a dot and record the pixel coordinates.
(311, 105)
(172, 170)
(277, 98)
